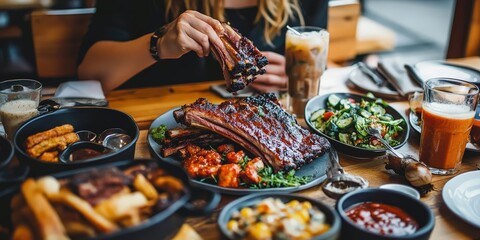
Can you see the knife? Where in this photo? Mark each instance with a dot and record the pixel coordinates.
(372, 75)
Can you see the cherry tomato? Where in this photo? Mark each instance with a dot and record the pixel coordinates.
(328, 115)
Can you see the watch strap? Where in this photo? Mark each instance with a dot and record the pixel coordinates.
(154, 51)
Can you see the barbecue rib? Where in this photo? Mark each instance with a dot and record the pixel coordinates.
(261, 126)
(240, 60)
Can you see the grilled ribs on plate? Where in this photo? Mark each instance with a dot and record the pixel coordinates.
(261, 126)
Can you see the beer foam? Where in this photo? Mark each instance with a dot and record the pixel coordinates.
(449, 110)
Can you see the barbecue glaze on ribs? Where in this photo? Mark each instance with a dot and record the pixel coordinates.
(240, 60)
(261, 126)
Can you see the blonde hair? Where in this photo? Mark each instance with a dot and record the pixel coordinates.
(275, 13)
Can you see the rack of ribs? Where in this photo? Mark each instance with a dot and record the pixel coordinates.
(240, 60)
(261, 126)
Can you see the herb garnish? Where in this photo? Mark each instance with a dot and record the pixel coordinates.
(279, 179)
(158, 133)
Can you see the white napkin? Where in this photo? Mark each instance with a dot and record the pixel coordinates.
(80, 89)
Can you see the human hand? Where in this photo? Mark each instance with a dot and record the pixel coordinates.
(191, 31)
(275, 77)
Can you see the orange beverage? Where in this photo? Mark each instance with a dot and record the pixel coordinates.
(444, 136)
(447, 118)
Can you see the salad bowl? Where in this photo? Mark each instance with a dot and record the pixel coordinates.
(342, 134)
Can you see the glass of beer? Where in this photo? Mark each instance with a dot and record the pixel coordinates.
(447, 117)
(19, 100)
(306, 50)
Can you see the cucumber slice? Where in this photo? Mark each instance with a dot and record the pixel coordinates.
(345, 138)
(333, 100)
(317, 114)
(377, 110)
(360, 126)
(344, 123)
(364, 113)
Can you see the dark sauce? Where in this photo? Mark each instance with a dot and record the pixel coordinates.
(382, 218)
(84, 153)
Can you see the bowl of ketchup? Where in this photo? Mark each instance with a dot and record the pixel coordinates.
(377, 213)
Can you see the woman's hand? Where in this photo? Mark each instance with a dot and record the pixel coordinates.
(275, 77)
(191, 31)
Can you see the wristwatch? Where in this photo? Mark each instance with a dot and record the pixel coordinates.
(154, 51)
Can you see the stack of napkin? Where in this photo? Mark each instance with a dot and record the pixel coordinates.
(396, 74)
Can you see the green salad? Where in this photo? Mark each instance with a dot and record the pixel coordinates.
(347, 121)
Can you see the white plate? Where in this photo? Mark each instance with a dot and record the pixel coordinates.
(462, 195)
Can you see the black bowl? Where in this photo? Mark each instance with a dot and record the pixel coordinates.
(6, 152)
(161, 225)
(321, 102)
(415, 208)
(250, 200)
(95, 119)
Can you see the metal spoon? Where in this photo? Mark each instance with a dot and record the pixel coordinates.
(376, 133)
(116, 141)
(338, 182)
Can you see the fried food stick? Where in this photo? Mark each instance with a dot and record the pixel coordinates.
(84, 208)
(42, 136)
(47, 220)
(49, 156)
(56, 142)
(23, 232)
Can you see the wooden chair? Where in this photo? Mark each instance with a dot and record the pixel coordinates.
(465, 32)
(57, 36)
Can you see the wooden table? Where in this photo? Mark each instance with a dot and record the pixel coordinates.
(147, 104)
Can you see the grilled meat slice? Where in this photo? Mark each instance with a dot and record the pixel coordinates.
(178, 138)
(261, 126)
(240, 60)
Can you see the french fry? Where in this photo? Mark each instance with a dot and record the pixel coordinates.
(169, 184)
(23, 232)
(51, 156)
(42, 136)
(119, 206)
(144, 186)
(85, 209)
(46, 219)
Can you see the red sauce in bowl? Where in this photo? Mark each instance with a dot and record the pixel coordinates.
(84, 153)
(382, 218)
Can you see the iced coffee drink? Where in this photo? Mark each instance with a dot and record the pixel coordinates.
(306, 51)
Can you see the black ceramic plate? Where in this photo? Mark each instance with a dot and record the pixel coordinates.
(331, 216)
(320, 102)
(413, 120)
(316, 169)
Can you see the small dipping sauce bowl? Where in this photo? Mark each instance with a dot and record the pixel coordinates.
(410, 206)
(82, 151)
(402, 188)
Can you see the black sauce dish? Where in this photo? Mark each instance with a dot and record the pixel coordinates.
(9, 174)
(162, 225)
(95, 119)
(354, 151)
(413, 207)
(250, 200)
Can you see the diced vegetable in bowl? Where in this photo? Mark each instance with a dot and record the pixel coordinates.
(345, 119)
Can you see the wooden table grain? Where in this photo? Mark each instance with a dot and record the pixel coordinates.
(148, 103)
